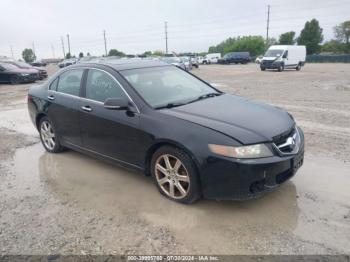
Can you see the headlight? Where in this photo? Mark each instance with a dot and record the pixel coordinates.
(24, 74)
(252, 151)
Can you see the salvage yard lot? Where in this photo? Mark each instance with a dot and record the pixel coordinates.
(72, 204)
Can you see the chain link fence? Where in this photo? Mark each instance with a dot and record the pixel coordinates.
(328, 58)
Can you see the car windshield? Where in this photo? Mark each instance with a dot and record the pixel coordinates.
(8, 66)
(273, 53)
(185, 59)
(162, 86)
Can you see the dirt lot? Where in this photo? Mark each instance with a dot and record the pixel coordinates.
(72, 204)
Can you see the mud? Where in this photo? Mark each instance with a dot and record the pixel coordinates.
(70, 203)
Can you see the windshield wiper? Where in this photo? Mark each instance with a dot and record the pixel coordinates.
(170, 105)
(205, 96)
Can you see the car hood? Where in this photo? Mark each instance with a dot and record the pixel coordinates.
(246, 121)
(38, 68)
(269, 58)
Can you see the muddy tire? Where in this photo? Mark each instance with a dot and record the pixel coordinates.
(175, 175)
(48, 136)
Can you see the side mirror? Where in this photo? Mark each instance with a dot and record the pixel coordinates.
(116, 104)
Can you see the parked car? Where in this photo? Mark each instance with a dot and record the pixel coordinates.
(235, 57)
(194, 140)
(259, 59)
(67, 62)
(12, 74)
(282, 57)
(187, 61)
(194, 61)
(38, 63)
(41, 71)
(174, 60)
(211, 58)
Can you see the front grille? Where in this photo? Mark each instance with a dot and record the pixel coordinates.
(287, 142)
(267, 62)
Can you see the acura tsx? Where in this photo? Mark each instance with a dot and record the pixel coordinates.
(194, 140)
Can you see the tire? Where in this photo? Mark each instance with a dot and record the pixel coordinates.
(181, 186)
(262, 68)
(48, 136)
(280, 68)
(15, 80)
(298, 68)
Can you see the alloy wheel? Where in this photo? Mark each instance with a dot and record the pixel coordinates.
(47, 135)
(172, 176)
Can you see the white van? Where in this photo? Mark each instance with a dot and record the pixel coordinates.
(212, 58)
(282, 57)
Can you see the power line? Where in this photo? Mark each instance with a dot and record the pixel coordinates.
(104, 37)
(68, 44)
(62, 42)
(166, 37)
(267, 24)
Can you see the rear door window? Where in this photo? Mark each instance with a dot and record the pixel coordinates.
(69, 82)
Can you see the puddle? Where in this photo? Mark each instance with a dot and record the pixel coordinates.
(94, 184)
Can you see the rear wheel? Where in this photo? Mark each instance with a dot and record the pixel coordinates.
(298, 68)
(48, 136)
(175, 175)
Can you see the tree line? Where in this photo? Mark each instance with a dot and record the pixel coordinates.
(311, 36)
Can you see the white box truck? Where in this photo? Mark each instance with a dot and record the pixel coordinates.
(282, 57)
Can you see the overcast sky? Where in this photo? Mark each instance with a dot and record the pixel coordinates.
(134, 26)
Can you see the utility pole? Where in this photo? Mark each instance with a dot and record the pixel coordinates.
(12, 52)
(166, 37)
(268, 24)
(53, 51)
(68, 44)
(34, 50)
(64, 53)
(104, 37)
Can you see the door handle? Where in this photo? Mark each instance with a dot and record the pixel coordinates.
(51, 97)
(86, 108)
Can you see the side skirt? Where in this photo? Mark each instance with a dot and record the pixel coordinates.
(103, 157)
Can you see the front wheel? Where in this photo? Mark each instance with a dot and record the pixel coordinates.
(280, 68)
(48, 136)
(262, 68)
(175, 175)
(15, 80)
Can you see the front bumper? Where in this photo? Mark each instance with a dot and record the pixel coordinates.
(271, 64)
(238, 179)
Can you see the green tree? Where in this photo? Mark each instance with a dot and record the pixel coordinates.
(342, 33)
(311, 36)
(287, 38)
(333, 46)
(147, 53)
(28, 55)
(158, 53)
(88, 54)
(255, 45)
(68, 55)
(115, 52)
(81, 54)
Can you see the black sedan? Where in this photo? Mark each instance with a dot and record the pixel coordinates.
(194, 140)
(12, 74)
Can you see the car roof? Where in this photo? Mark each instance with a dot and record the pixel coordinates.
(120, 65)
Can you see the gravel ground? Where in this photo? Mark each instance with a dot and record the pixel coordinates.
(72, 204)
